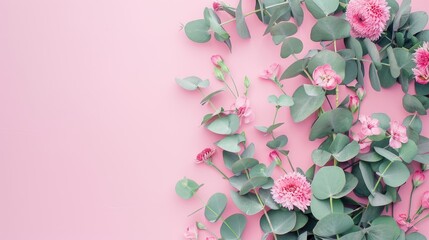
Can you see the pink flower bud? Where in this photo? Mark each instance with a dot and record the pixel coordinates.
(425, 200)
(418, 178)
(217, 60)
(205, 155)
(274, 156)
(354, 103)
(217, 6)
(425, 167)
(360, 93)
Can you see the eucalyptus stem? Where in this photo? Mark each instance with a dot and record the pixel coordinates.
(229, 88)
(409, 205)
(331, 203)
(209, 101)
(379, 178)
(427, 216)
(210, 163)
(412, 119)
(233, 82)
(290, 163)
(255, 11)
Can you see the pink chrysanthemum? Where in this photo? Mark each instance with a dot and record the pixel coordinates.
(421, 56)
(205, 155)
(292, 190)
(368, 18)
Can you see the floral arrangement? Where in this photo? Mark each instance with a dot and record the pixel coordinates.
(351, 190)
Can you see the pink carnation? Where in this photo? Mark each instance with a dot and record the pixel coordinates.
(292, 190)
(326, 77)
(191, 233)
(398, 134)
(205, 155)
(403, 222)
(243, 110)
(421, 56)
(271, 72)
(368, 18)
(422, 75)
(364, 142)
(217, 6)
(369, 126)
(418, 178)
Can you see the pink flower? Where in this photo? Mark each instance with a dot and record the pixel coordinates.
(205, 155)
(354, 103)
(191, 233)
(274, 156)
(398, 134)
(326, 77)
(217, 6)
(422, 75)
(211, 238)
(421, 56)
(402, 221)
(369, 126)
(292, 190)
(243, 110)
(418, 178)
(367, 18)
(364, 142)
(425, 200)
(217, 60)
(271, 72)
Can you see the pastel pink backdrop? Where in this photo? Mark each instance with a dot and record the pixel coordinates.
(94, 133)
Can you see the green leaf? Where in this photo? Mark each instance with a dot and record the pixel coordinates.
(394, 174)
(229, 159)
(415, 236)
(192, 83)
(282, 101)
(328, 182)
(242, 29)
(225, 125)
(369, 157)
(295, 69)
(374, 78)
(321, 157)
(253, 183)
(333, 224)
(273, 127)
(186, 188)
(378, 199)
(418, 21)
(402, 15)
(380, 232)
(330, 28)
(291, 46)
(408, 151)
(412, 104)
(210, 96)
(336, 61)
(373, 52)
(335, 121)
(367, 175)
(321, 8)
(215, 207)
(387, 154)
(267, 199)
(389, 221)
(350, 151)
(314, 9)
(359, 235)
(394, 68)
(297, 12)
(243, 164)
(248, 203)
(305, 105)
(231, 143)
(198, 31)
(322, 208)
(281, 220)
(282, 30)
(211, 17)
(233, 227)
(238, 181)
(351, 183)
(355, 45)
(383, 119)
(313, 90)
(278, 142)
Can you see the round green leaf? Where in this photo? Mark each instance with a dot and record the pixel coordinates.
(326, 6)
(225, 125)
(408, 151)
(242, 164)
(283, 221)
(291, 46)
(351, 183)
(415, 236)
(334, 59)
(282, 30)
(215, 207)
(198, 31)
(305, 105)
(186, 188)
(418, 21)
(231, 143)
(192, 83)
(301, 221)
(253, 183)
(248, 203)
(333, 224)
(233, 227)
(336, 121)
(330, 28)
(321, 157)
(412, 104)
(295, 69)
(267, 199)
(328, 182)
(394, 173)
(322, 208)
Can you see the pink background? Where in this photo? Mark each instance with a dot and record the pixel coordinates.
(94, 132)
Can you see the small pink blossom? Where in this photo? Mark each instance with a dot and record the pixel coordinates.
(292, 190)
(211, 238)
(326, 77)
(398, 134)
(275, 157)
(191, 233)
(354, 103)
(271, 72)
(403, 223)
(367, 18)
(205, 155)
(243, 110)
(217, 6)
(421, 75)
(421, 56)
(418, 178)
(364, 142)
(370, 126)
(217, 60)
(425, 200)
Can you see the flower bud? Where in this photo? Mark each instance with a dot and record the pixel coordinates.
(274, 156)
(354, 103)
(216, 60)
(219, 74)
(425, 167)
(246, 82)
(201, 226)
(360, 93)
(217, 6)
(418, 178)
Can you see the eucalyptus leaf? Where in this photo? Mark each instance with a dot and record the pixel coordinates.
(333, 224)
(192, 83)
(330, 28)
(215, 207)
(305, 105)
(231, 143)
(243, 164)
(242, 29)
(282, 30)
(225, 125)
(248, 203)
(198, 31)
(291, 46)
(322, 208)
(233, 227)
(186, 188)
(328, 182)
(282, 221)
(335, 121)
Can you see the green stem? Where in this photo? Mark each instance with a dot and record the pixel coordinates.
(210, 163)
(290, 163)
(209, 101)
(412, 119)
(427, 216)
(233, 82)
(255, 11)
(409, 205)
(379, 178)
(331, 203)
(229, 88)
